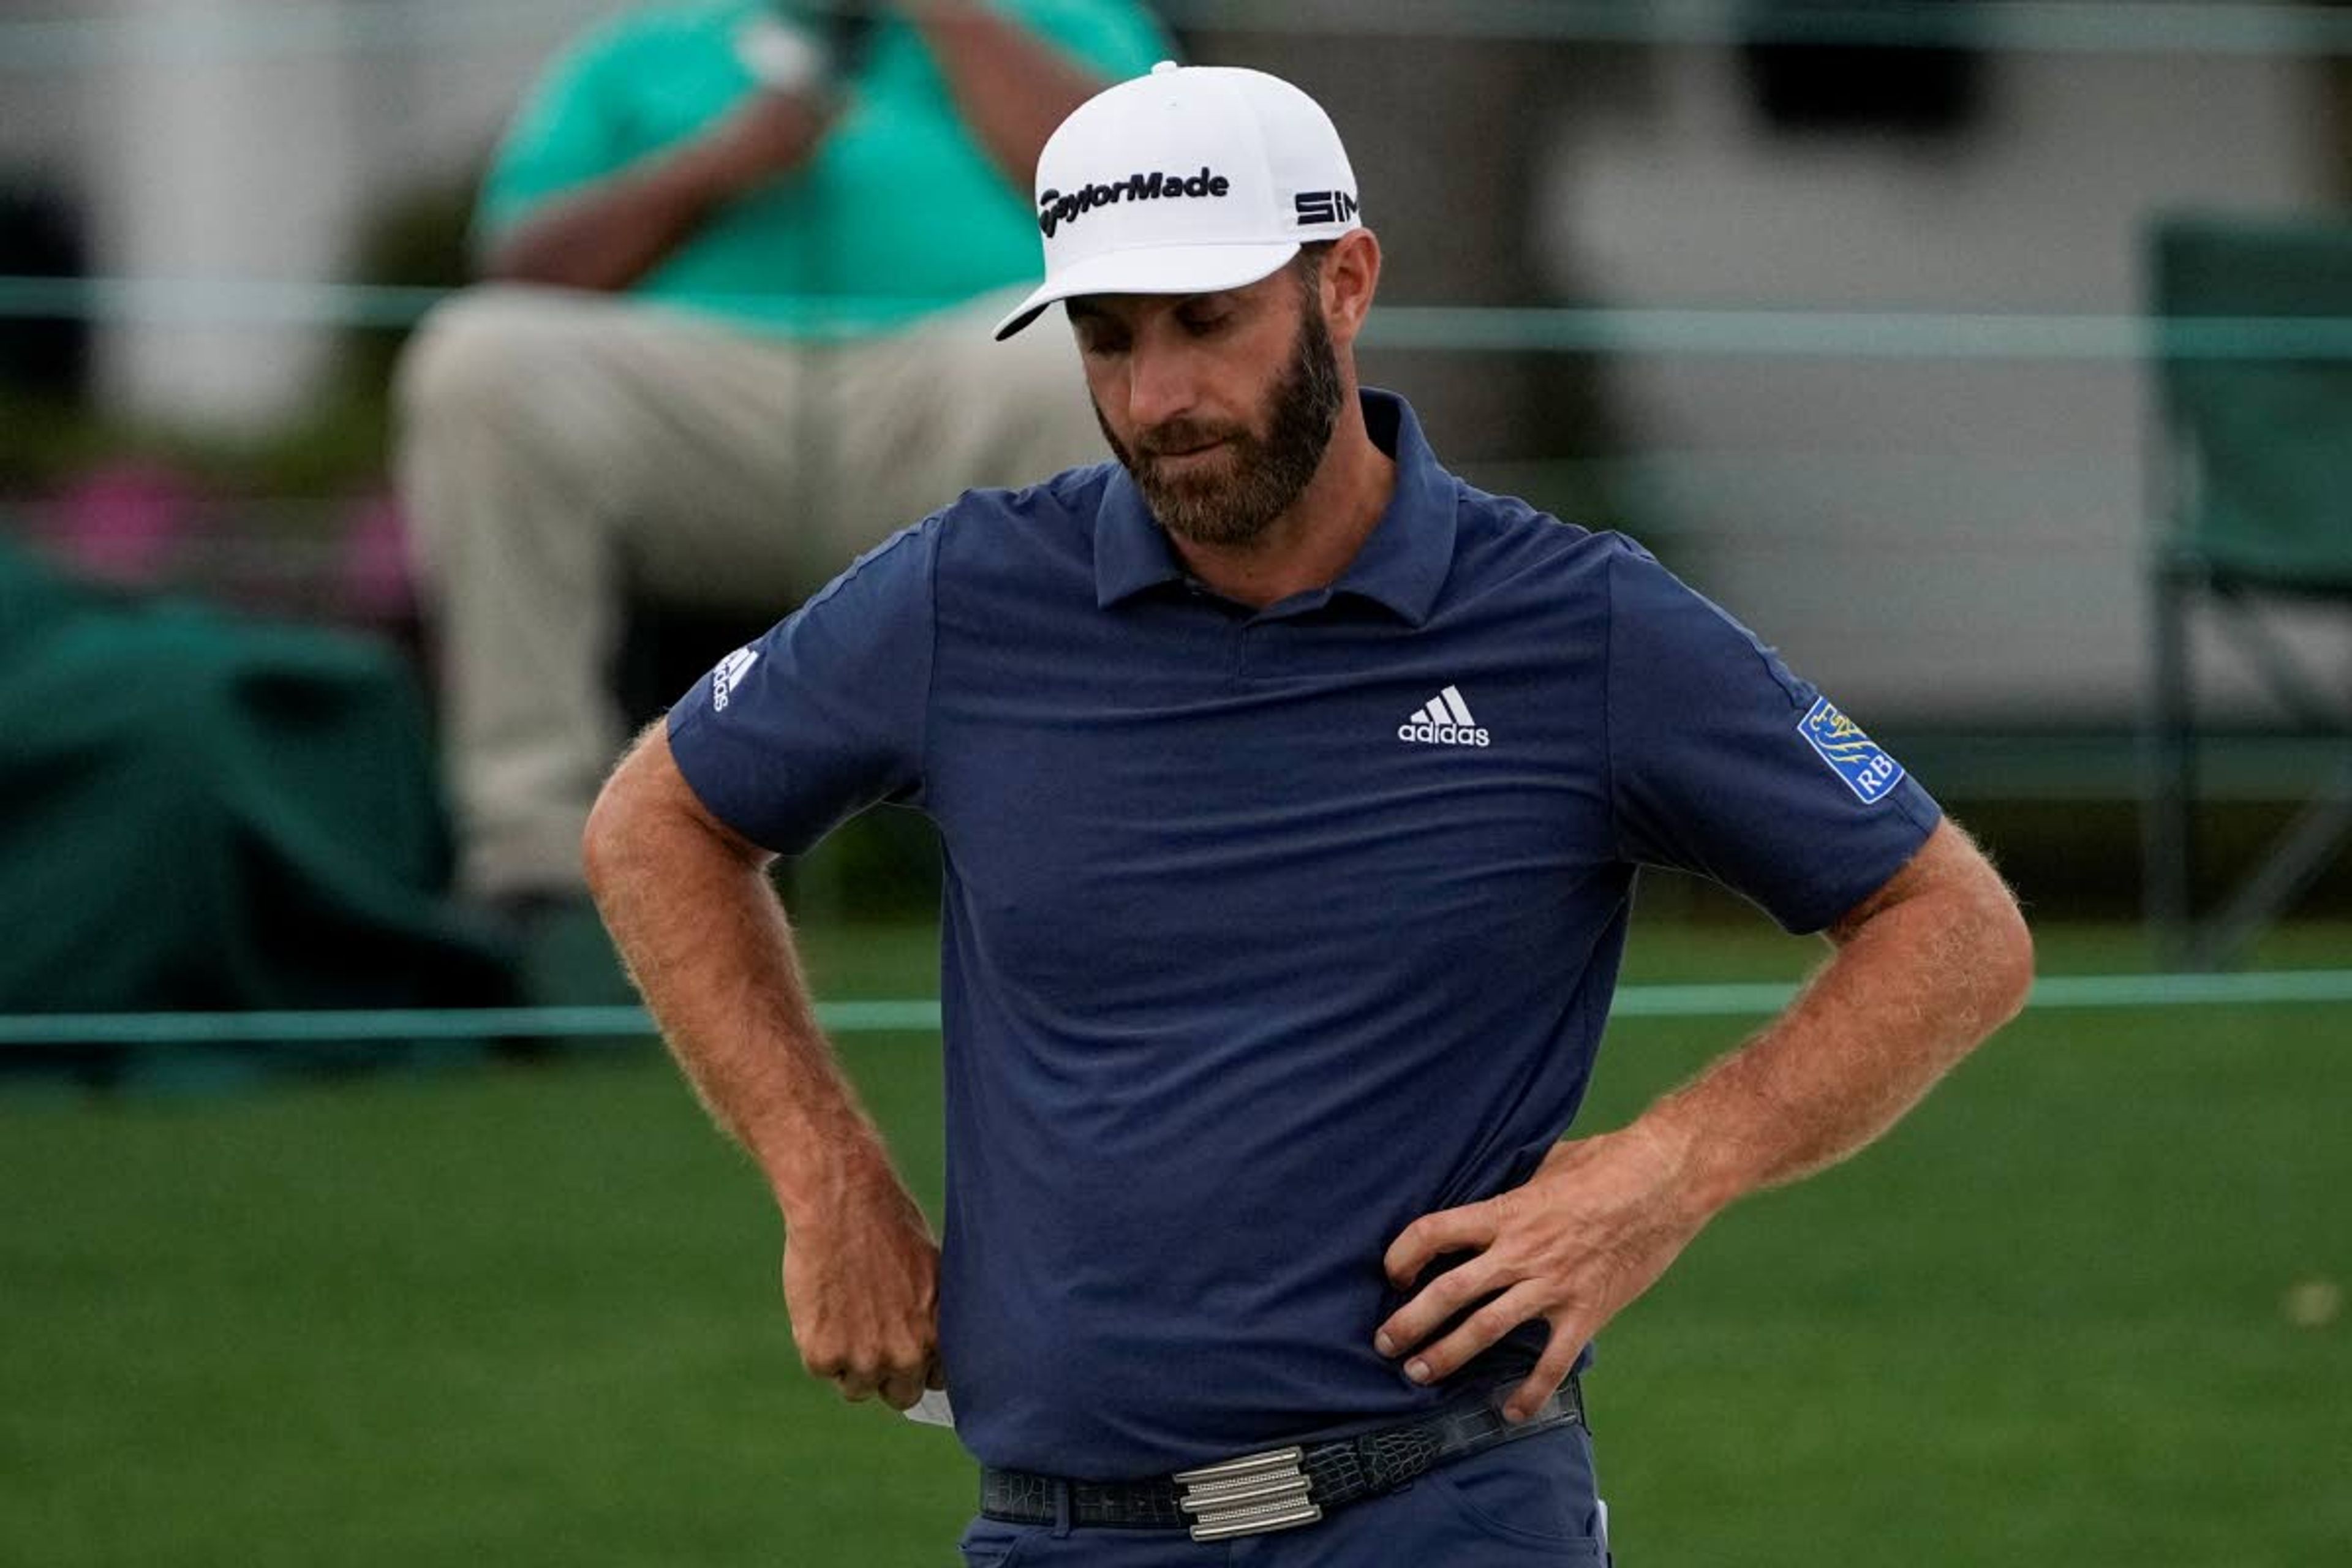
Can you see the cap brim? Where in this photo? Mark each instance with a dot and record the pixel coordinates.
(1155, 269)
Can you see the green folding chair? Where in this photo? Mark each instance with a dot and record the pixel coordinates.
(2253, 364)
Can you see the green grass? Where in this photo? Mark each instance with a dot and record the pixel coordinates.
(529, 1316)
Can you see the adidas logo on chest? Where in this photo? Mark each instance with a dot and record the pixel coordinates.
(1443, 721)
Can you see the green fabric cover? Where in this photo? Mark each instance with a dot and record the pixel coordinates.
(901, 212)
(2266, 496)
(198, 811)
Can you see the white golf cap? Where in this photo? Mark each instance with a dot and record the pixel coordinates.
(1185, 181)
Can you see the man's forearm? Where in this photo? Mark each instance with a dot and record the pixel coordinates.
(612, 233)
(689, 903)
(607, 236)
(1927, 967)
(1916, 984)
(1011, 86)
(708, 945)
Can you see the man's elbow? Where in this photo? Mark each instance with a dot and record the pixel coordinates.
(604, 841)
(648, 826)
(2018, 938)
(1968, 925)
(1988, 940)
(2004, 945)
(539, 254)
(520, 262)
(626, 814)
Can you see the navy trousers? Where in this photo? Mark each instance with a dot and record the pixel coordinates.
(1528, 1504)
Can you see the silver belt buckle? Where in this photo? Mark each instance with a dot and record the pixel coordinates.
(1249, 1496)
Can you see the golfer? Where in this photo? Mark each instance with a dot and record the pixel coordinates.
(1291, 794)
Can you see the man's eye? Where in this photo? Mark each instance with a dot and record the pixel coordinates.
(1202, 324)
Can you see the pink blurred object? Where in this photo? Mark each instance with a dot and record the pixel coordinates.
(124, 523)
(374, 580)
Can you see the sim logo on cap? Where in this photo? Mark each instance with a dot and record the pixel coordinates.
(1324, 207)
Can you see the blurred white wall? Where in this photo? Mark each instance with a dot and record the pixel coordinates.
(226, 170)
(1951, 537)
(231, 142)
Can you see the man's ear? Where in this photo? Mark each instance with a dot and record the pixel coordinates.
(1352, 275)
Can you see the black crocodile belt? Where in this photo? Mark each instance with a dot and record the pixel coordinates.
(1282, 1487)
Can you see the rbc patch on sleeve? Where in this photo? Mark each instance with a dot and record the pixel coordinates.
(1853, 756)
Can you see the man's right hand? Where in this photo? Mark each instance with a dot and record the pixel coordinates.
(862, 1284)
(692, 910)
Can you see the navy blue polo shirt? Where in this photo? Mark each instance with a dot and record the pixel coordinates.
(1266, 931)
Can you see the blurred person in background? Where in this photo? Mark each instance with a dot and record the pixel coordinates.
(738, 256)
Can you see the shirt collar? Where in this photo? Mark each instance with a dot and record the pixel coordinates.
(1402, 564)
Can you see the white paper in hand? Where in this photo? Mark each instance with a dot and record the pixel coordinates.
(932, 1409)
(779, 55)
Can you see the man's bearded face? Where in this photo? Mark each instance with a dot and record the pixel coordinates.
(1225, 483)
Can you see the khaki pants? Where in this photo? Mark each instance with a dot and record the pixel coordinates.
(560, 450)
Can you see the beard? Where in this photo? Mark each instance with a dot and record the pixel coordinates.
(1234, 499)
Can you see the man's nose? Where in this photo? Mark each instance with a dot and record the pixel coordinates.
(1161, 385)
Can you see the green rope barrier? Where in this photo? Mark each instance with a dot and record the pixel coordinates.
(2058, 993)
(920, 1015)
(276, 303)
(343, 1026)
(1843, 334)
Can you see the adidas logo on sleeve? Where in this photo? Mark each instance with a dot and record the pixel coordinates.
(730, 674)
(1443, 721)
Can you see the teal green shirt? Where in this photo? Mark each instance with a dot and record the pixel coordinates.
(899, 213)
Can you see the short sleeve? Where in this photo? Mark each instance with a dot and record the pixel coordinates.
(824, 715)
(1724, 763)
(566, 132)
